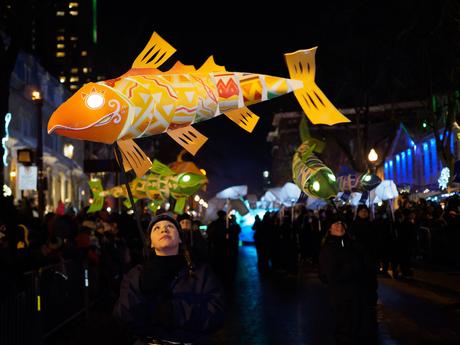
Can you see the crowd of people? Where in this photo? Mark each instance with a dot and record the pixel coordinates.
(173, 290)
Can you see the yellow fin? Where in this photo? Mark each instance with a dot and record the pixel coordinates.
(134, 157)
(179, 67)
(155, 53)
(314, 103)
(243, 117)
(210, 66)
(188, 137)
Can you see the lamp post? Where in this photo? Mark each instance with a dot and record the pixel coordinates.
(372, 157)
(38, 100)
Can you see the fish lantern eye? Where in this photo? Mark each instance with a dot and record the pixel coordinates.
(367, 178)
(185, 178)
(316, 186)
(331, 177)
(95, 101)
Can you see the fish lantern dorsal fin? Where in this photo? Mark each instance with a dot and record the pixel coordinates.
(210, 66)
(161, 169)
(155, 53)
(179, 67)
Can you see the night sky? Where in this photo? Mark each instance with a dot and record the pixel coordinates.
(346, 35)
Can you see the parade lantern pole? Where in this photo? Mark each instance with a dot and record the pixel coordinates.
(38, 100)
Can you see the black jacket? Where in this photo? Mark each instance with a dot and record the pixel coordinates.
(193, 306)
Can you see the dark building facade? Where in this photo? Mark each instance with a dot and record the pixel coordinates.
(66, 33)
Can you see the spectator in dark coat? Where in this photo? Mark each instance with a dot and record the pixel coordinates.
(343, 267)
(168, 299)
(193, 238)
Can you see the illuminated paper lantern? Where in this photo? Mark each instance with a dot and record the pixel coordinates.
(386, 190)
(160, 184)
(146, 101)
(311, 175)
(234, 192)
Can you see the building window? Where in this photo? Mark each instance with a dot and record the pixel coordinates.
(73, 4)
(60, 13)
(74, 79)
(62, 79)
(85, 69)
(60, 54)
(73, 38)
(73, 87)
(60, 46)
(73, 13)
(84, 53)
(60, 38)
(74, 70)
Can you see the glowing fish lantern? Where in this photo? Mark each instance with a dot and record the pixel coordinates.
(311, 175)
(368, 181)
(157, 186)
(146, 101)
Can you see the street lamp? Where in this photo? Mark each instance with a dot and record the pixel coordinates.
(38, 100)
(68, 150)
(372, 156)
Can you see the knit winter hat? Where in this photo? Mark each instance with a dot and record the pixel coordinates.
(169, 218)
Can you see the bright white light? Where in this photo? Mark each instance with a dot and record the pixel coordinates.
(316, 186)
(90, 200)
(68, 150)
(5, 139)
(6, 191)
(186, 178)
(197, 198)
(82, 192)
(205, 205)
(373, 156)
(380, 203)
(130, 212)
(367, 178)
(12, 173)
(167, 206)
(426, 191)
(266, 174)
(95, 101)
(331, 177)
(109, 209)
(36, 95)
(201, 202)
(444, 178)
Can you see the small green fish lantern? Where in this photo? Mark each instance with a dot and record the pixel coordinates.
(311, 175)
(368, 181)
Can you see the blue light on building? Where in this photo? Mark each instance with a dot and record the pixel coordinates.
(385, 173)
(390, 169)
(398, 168)
(409, 164)
(403, 167)
(434, 157)
(426, 163)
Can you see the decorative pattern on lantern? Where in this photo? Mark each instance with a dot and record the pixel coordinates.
(311, 175)
(146, 101)
(157, 186)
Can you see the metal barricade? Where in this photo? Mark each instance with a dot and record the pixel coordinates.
(46, 300)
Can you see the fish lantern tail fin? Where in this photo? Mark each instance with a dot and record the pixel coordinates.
(98, 199)
(315, 104)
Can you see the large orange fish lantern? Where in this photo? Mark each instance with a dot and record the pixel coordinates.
(146, 101)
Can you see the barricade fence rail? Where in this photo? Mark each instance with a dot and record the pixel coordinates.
(47, 299)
